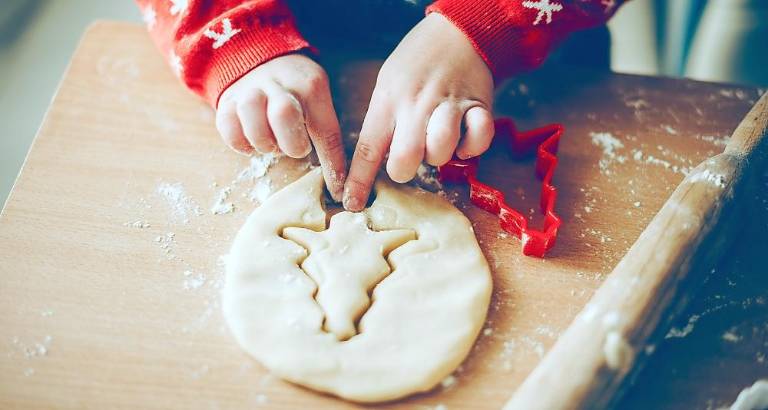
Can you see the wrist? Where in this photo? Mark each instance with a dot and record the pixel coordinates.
(505, 47)
(250, 51)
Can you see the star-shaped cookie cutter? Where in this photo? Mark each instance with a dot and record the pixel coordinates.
(544, 141)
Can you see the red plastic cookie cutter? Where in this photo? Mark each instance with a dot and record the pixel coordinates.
(545, 140)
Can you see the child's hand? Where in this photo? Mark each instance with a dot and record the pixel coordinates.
(432, 83)
(284, 104)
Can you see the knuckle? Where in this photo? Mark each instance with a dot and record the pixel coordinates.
(252, 99)
(381, 97)
(355, 185)
(333, 143)
(367, 152)
(383, 75)
(264, 147)
(316, 82)
(388, 72)
(260, 138)
(283, 108)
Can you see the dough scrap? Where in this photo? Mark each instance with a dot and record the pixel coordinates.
(429, 299)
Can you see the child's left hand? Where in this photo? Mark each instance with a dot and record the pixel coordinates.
(429, 86)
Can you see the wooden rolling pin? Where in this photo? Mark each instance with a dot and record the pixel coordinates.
(613, 335)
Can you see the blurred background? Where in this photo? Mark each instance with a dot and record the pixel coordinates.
(715, 40)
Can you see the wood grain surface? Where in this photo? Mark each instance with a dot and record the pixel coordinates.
(111, 279)
(625, 319)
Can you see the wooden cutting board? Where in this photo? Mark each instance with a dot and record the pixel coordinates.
(110, 258)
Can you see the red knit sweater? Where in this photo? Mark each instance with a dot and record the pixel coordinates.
(210, 44)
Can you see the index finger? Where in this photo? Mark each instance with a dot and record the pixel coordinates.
(325, 133)
(375, 136)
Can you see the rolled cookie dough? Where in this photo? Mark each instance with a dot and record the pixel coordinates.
(412, 251)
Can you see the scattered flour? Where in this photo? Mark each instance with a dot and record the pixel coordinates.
(546, 331)
(716, 141)
(732, 337)
(507, 350)
(535, 345)
(167, 242)
(643, 158)
(181, 205)
(734, 93)
(261, 399)
(717, 180)
(261, 190)
(636, 104)
(257, 168)
(209, 287)
(754, 397)
(669, 129)
(192, 281)
(256, 174)
(685, 331)
(448, 381)
(649, 349)
(220, 204)
(35, 349)
(609, 144)
(199, 372)
(137, 224)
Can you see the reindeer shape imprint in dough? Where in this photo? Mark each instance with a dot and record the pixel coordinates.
(346, 261)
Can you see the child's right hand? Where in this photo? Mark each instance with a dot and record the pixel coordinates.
(285, 104)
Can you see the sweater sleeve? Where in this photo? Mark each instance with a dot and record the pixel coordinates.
(211, 44)
(517, 35)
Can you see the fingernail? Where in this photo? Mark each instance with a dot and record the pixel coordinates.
(271, 149)
(337, 194)
(352, 204)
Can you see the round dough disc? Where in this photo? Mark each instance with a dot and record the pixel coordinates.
(424, 314)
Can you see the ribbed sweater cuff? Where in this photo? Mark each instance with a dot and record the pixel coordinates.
(506, 48)
(246, 51)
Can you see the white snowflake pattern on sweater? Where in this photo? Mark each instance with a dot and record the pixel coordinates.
(545, 9)
(227, 32)
(178, 6)
(149, 16)
(176, 65)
